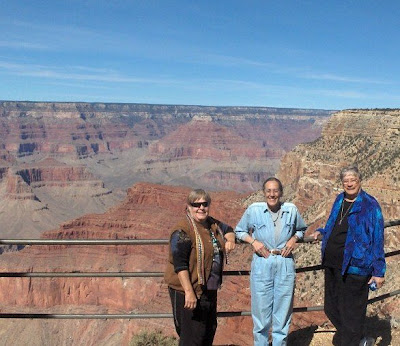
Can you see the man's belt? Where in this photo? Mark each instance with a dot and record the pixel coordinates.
(275, 252)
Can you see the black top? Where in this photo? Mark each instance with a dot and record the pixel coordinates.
(181, 247)
(333, 257)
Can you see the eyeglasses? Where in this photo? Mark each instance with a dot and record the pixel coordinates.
(350, 181)
(199, 204)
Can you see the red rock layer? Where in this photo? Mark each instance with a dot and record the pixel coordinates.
(149, 211)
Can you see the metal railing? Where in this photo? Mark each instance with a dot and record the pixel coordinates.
(143, 274)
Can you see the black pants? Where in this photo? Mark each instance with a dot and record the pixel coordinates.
(198, 326)
(346, 304)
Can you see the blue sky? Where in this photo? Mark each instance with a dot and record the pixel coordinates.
(327, 54)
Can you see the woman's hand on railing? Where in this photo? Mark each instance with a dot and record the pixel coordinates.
(230, 242)
(229, 246)
(316, 235)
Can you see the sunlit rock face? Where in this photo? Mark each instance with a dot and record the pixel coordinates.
(83, 129)
(37, 196)
(368, 138)
(149, 211)
(62, 160)
(310, 176)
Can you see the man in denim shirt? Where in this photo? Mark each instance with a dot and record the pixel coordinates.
(353, 257)
(272, 228)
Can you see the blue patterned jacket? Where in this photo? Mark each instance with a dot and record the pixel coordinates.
(363, 250)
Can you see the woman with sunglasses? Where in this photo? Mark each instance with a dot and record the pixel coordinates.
(197, 248)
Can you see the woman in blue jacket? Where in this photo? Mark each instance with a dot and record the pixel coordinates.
(353, 257)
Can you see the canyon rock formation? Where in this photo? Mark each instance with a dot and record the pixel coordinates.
(149, 211)
(310, 176)
(38, 195)
(62, 160)
(368, 138)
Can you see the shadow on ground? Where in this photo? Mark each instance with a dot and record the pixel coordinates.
(379, 329)
(302, 337)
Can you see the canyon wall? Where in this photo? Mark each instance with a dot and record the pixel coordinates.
(149, 211)
(62, 160)
(310, 176)
(368, 138)
(310, 173)
(38, 195)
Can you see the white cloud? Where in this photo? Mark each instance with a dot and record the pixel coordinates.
(23, 45)
(71, 73)
(338, 78)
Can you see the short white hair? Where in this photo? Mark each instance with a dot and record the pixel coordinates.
(352, 169)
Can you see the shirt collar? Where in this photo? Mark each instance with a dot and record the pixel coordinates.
(282, 208)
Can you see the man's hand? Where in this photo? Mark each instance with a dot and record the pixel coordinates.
(289, 247)
(260, 249)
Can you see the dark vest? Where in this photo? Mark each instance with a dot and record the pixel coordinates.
(171, 278)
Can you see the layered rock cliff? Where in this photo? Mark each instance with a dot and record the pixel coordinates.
(310, 176)
(149, 211)
(368, 138)
(103, 149)
(84, 129)
(37, 196)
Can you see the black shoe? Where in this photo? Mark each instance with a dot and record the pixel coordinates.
(367, 341)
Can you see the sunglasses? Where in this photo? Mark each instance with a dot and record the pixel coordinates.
(199, 204)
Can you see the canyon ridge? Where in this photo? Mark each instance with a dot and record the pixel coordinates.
(309, 172)
(59, 161)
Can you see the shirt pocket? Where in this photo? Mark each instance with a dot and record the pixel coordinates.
(289, 228)
(260, 231)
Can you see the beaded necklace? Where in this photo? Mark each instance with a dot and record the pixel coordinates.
(214, 243)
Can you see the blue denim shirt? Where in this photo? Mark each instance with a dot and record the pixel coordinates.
(257, 218)
(363, 250)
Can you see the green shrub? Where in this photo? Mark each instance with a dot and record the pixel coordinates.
(154, 338)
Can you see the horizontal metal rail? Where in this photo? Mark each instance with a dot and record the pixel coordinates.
(143, 274)
(391, 223)
(319, 266)
(306, 239)
(84, 241)
(83, 274)
(86, 316)
(165, 315)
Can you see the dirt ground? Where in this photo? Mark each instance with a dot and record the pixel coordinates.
(379, 329)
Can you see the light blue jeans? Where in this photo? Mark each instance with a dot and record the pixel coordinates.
(272, 282)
